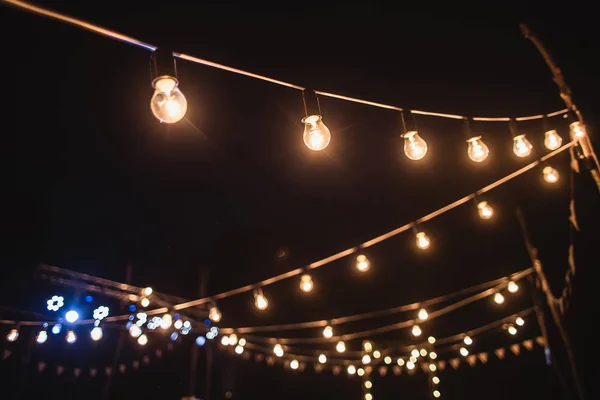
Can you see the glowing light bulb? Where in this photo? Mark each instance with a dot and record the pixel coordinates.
(552, 140)
(322, 358)
(521, 146)
(72, 316)
(400, 361)
(143, 340)
(147, 291)
(168, 104)
(423, 314)
(366, 359)
(368, 384)
(410, 365)
(432, 367)
(477, 150)
(351, 369)
(294, 364)
(387, 360)
(360, 372)
(278, 350)
(435, 380)
(423, 352)
(178, 324)
(306, 283)
(512, 287)
(166, 321)
(71, 337)
(145, 302)
(415, 353)
(239, 349)
(12, 335)
(520, 321)
(431, 339)
(416, 331)
(362, 263)
(242, 342)
(433, 355)
(340, 347)
(233, 339)
(368, 396)
(225, 340)
(485, 210)
(41, 337)
(464, 352)
(550, 175)
(423, 241)
(214, 314)
(56, 329)
(376, 354)
(368, 346)
(468, 341)
(436, 393)
(135, 331)
(96, 333)
(577, 130)
(316, 134)
(498, 298)
(413, 359)
(512, 330)
(415, 147)
(260, 301)
(328, 332)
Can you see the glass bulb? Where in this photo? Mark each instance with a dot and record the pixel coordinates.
(387, 360)
(477, 150)
(376, 354)
(362, 263)
(322, 358)
(521, 146)
(436, 393)
(485, 210)
(166, 321)
(464, 352)
(415, 147)
(433, 355)
(512, 330)
(41, 337)
(278, 350)
(520, 321)
(71, 337)
(410, 365)
(550, 175)
(143, 340)
(214, 314)
(512, 287)
(239, 349)
(135, 331)
(422, 241)
(498, 298)
(145, 302)
(423, 315)
(368, 346)
(351, 369)
(366, 359)
(577, 130)
(340, 347)
(168, 104)
(316, 134)
(225, 340)
(468, 341)
(233, 339)
(12, 335)
(415, 353)
(400, 361)
(435, 380)
(306, 283)
(431, 339)
(96, 333)
(360, 372)
(294, 364)
(328, 332)
(147, 291)
(368, 384)
(260, 301)
(416, 331)
(552, 140)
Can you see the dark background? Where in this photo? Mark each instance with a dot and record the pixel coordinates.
(95, 182)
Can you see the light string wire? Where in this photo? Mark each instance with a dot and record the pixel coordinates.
(130, 40)
(375, 314)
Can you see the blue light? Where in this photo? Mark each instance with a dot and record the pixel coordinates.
(89, 299)
(129, 324)
(200, 340)
(131, 317)
(176, 316)
(56, 329)
(174, 336)
(207, 322)
(132, 308)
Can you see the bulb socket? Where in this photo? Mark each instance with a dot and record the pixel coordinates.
(162, 64)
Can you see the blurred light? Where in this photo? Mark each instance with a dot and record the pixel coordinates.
(294, 364)
(360, 372)
(100, 313)
(423, 352)
(414, 353)
(387, 360)
(413, 359)
(400, 362)
(476, 149)
(410, 365)
(166, 321)
(55, 303)
(328, 332)
(210, 335)
(550, 175)
(415, 147)
(432, 367)
(185, 331)
(423, 241)
(577, 130)
(316, 135)
(278, 350)
(96, 333)
(56, 329)
(174, 336)
(71, 337)
(239, 349)
(521, 146)
(151, 325)
(340, 347)
(233, 339)
(362, 263)
(416, 331)
(435, 380)
(423, 314)
(552, 140)
(433, 355)
(351, 369)
(242, 342)
(214, 314)
(513, 287)
(468, 341)
(207, 322)
(498, 298)
(142, 340)
(376, 354)
(135, 331)
(187, 324)
(89, 299)
(431, 339)
(178, 324)
(225, 340)
(306, 283)
(464, 352)
(520, 321)
(512, 330)
(436, 393)
(368, 384)
(168, 104)
(132, 308)
(200, 340)
(12, 335)
(145, 302)
(148, 291)
(260, 301)
(485, 210)
(366, 359)
(322, 358)
(368, 396)
(72, 316)
(41, 337)
(368, 346)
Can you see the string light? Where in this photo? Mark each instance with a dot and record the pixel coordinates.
(464, 352)
(368, 346)
(432, 367)
(239, 349)
(550, 174)
(368, 396)
(410, 365)
(415, 147)
(512, 287)
(423, 352)
(436, 393)
(166, 321)
(400, 362)
(521, 146)
(145, 302)
(423, 314)
(433, 355)
(71, 337)
(13, 335)
(366, 359)
(362, 263)
(71, 316)
(233, 339)
(41, 337)
(260, 301)
(306, 283)
(468, 341)
(294, 364)
(278, 350)
(415, 353)
(351, 369)
(214, 314)
(552, 140)
(168, 104)
(477, 150)
(368, 384)
(322, 358)
(520, 321)
(431, 339)
(225, 340)
(242, 342)
(416, 331)
(135, 331)
(498, 298)
(512, 330)
(142, 340)
(376, 354)
(340, 347)
(360, 372)
(147, 291)
(96, 333)
(316, 134)
(423, 241)
(387, 360)
(55, 302)
(435, 380)
(328, 332)
(485, 210)
(577, 130)
(56, 329)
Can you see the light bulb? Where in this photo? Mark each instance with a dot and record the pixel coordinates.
(242, 342)
(512, 287)
(512, 330)
(468, 341)
(294, 364)
(387, 360)
(233, 339)
(423, 352)
(12, 335)
(214, 314)
(416, 331)
(415, 353)
(577, 130)
(423, 315)
(166, 321)
(278, 350)
(239, 349)
(431, 339)
(56, 329)
(433, 355)
(316, 134)
(550, 174)
(376, 354)
(351, 369)
(410, 365)
(143, 340)
(328, 332)
(477, 150)
(464, 352)
(422, 241)
(322, 358)
(260, 301)
(71, 337)
(436, 393)
(362, 263)
(41, 337)
(360, 372)
(135, 331)
(368, 384)
(72, 316)
(415, 147)
(340, 347)
(366, 359)
(520, 321)
(400, 361)
(413, 359)
(485, 210)
(168, 104)
(498, 298)
(432, 367)
(145, 302)
(306, 283)
(368, 396)
(435, 380)
(368, 346)
(178, 324)
(225, 340)
(521, 146)
(552, 140)
(147, 291)
(96, 333)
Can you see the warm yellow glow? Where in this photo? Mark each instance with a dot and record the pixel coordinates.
(306, 283)
(214, 314)
(260, 301)
(366, 359)
(360, 372)
(432, 367)
(328, 332)
(512, 330)
(239, 349)
(145, 302)
(322, 358)
(577, 130)
(96, 333)
(552, 140)
(233, 339)
(414, 353)
(423, 314)
(376, 354)
(550, 175)
(148, 291)
(410, 365)
(71, 337)
(464, 352)
(225, 340)
(168, 104)
(433, 355)
(368, 346)
(143, 340)
(166, 321)
(415, 147)
(278, 350)
(400, 362)
(387, 360)
(41, 337)
(316, 135)
(178, 324)
(12, 335)
(294, 364)
(521, 146)
(368, 396)
(351, 369)
(362, 263)
(520, 321)
(242, 342)
(423, 352)
(340, 347)
(512, 287)
(422, 241)
(477, 150)
(498, 298)
(468, 341)
(436, 393)
(416, 331)
(485, 210)
(413, 359)
(435, 380)
(431, 339)
(368, 384)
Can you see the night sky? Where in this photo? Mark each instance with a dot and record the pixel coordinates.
(96, 183)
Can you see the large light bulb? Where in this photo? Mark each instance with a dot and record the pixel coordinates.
(306, 283)
(416, 330)
(278, 350)
(316, 134)
(328, 332)
(340, 347)
(168, 104)
(552, 140)
(577, 130)
(477, 150)
(214, 314)
(423, 314)
(521, 146)
(550, 174)
(12, 335)
(260, 301)
(96, 333)
(485, 210)
(415, 147)
(422, 240)
(362, 263)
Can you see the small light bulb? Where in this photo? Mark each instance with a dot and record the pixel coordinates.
(410, 365)
(368, 396)
(577, 130)
(422, 240)
(214, 314)
(368, 346)
(168, 104)
(148, 291)
(520, 321)
(423, 314)
(135, 331)
(416, 331)
(12, 335)
(96, 333)
(436, 393)
(366, 359)
(464, 352)
(498, 298)
(166, 321)
(322, 358)
(328, 332)
(485, 210)
(512, 330)
(512, 287)
(431, 339)
(362, 263)
(178, 324)
(71, 337)
(415, 353)
(145, 302)
(306, 283)
(143, 340)
(233, 339)
(351, 369)
(552, 140)
(239, 349)
(423, 352)
(340, 347)
(56, 329)
(435, 380)
(294, 364)
(376, 354)
(360, 372)
(41, 337)
(432, 367)
(225, 340)
(71, 316)
(415, 147)
(468, 341)
(521, 146)
(316, 135)
(260, 301)
(387, 360)
(368, 384)
(433, 355)
(550, 175)
(477, 150)
(400, 361)
(278, 350)
(242, 342)
(413, 359)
